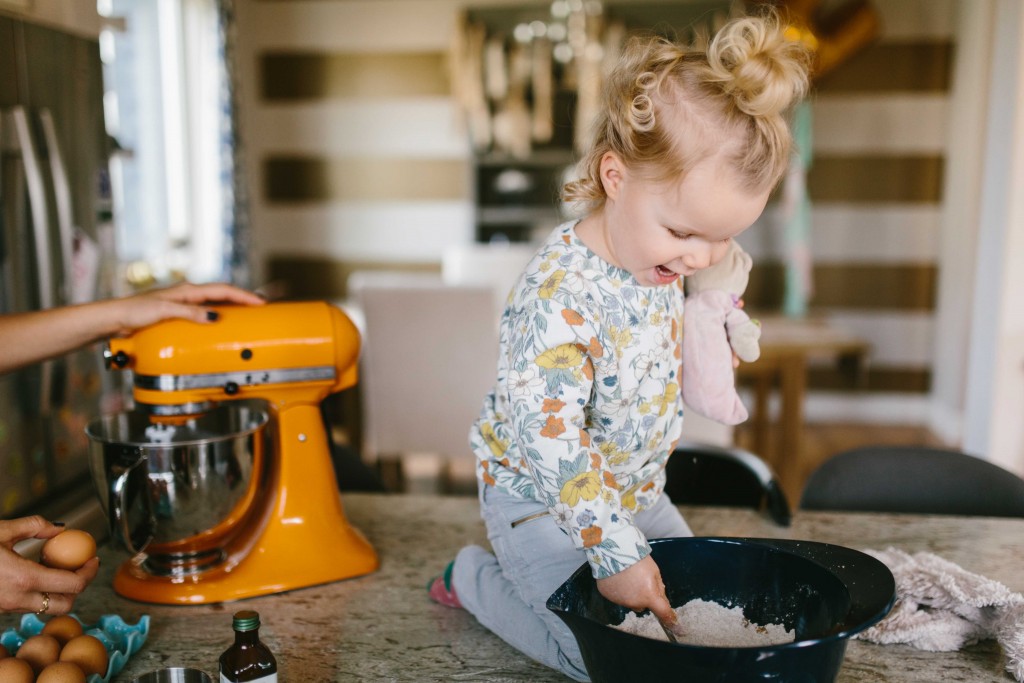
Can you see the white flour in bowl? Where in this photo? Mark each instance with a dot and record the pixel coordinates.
(711, 625)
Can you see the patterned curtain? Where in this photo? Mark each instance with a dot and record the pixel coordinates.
(236, 265)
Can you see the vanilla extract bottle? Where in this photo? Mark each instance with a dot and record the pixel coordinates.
(247, 659)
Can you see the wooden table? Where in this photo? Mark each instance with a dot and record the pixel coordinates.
(382, 627)
(788, 346)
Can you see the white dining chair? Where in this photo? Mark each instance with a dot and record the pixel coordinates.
(704, 430)
(429, 357)
(497, 266)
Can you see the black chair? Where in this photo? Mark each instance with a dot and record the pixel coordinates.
(914, 479)
(702, 474)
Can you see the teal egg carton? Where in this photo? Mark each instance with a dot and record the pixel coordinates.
(121, 639)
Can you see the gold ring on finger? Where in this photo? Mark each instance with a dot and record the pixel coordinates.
(46, 604)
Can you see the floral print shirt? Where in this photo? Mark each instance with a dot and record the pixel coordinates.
(586, 408)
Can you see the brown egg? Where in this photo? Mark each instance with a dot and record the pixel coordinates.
(14, 670)
(69, 549)
(39, 651)
(63, 628)
(61, 672)
(88, 653)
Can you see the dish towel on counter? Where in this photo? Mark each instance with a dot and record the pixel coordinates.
(940, 607)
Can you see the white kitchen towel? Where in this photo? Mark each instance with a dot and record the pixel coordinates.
(940, 606)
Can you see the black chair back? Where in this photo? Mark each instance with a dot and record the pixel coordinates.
(914, 479)
(702, 474)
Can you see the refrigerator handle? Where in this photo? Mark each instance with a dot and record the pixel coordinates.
(41, 233)
(3, 114)
(37, 200)
(62, 195)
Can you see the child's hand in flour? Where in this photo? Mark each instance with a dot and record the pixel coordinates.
(640, 588)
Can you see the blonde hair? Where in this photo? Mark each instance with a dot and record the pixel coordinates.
(666, 107)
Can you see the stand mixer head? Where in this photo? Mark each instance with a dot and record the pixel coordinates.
(278, 523)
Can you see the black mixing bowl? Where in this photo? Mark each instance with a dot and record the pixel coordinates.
(825, 593)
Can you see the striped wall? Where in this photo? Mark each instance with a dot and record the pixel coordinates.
(359, 161)
(353, 140)
(876, 184)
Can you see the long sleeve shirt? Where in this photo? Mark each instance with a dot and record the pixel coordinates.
(586, 407)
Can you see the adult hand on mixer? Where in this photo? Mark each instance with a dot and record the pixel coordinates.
(26, 586)
(38, 335)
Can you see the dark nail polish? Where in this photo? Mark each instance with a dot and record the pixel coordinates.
(58, 523)
(212, 315)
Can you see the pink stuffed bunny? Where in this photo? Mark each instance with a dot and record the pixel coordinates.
(714, 327)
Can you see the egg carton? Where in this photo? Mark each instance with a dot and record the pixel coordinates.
(121, 639)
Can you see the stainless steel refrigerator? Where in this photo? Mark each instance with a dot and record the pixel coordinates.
(52, 191)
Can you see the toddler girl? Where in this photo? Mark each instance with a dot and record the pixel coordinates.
(572, 442)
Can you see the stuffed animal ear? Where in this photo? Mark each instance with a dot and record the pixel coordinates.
(731, 274)
(743, 260)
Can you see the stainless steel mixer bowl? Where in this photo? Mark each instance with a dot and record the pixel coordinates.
(179, 491)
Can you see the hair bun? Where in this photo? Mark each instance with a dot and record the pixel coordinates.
(755, 63)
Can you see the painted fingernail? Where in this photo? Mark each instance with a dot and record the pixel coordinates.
(212, 315)
(58, 523)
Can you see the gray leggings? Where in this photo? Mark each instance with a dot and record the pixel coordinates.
(507, 592)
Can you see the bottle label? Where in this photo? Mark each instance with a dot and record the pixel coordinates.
(272, 678)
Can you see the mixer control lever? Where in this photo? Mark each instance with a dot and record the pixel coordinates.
(119, 359)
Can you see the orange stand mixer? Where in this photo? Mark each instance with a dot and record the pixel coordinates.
(240, 513)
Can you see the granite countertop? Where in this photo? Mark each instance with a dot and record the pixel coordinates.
(382, 627)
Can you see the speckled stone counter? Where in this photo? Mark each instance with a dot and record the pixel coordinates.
(382, 627)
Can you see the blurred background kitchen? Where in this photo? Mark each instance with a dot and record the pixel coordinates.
(348, 149)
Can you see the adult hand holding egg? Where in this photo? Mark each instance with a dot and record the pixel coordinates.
(70, 549)
(25, 585)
